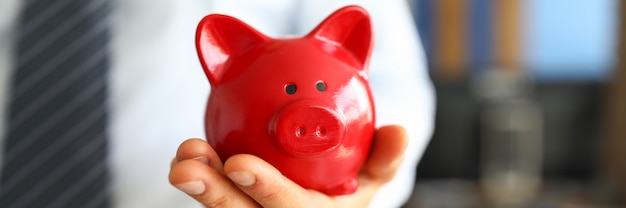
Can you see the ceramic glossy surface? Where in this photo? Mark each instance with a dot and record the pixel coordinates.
(302, 104)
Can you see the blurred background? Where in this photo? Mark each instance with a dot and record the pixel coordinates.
(531, 103)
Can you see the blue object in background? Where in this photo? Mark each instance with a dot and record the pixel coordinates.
(569, 39)
(562, 40)
(480, 32)
(423, 15)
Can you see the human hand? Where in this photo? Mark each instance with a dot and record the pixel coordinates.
(248, 181)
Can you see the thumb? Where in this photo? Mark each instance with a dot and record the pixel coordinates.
(387, 153)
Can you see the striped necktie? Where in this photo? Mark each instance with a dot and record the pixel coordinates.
(55, 147)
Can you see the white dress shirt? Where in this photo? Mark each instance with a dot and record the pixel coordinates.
(159, 91)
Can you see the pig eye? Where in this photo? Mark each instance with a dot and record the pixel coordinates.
(320, 86)
(291, 88)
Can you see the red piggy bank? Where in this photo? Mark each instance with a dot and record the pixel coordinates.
(302, 104)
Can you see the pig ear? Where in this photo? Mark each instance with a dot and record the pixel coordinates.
(349, 27)
(219, 38)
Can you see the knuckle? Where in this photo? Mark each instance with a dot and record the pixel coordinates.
(271, 196)
(218, 202)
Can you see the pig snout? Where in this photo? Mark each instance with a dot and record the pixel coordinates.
(303, 129)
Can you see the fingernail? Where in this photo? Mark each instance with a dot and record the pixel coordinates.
(192, 187)
(202, 159)
(242, 178)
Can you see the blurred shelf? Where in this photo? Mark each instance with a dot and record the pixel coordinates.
(456, 193)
